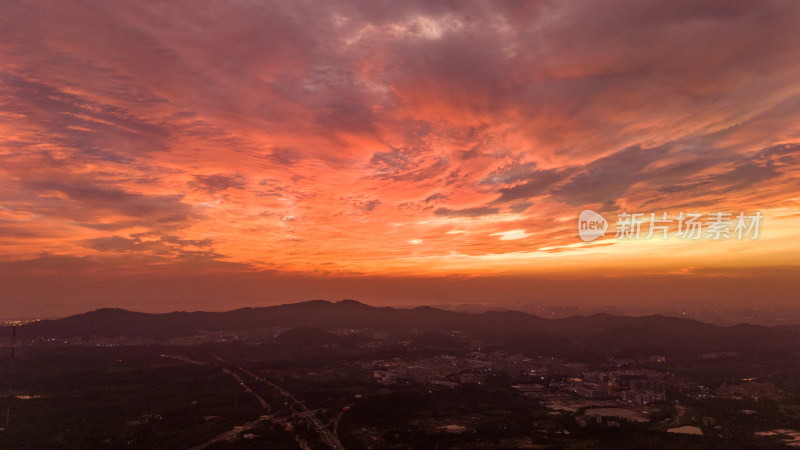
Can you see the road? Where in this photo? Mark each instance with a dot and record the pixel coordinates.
(238, 429)
(328, 437)
(247, 388)
(325, 434)
(184, 359)
(232, 433)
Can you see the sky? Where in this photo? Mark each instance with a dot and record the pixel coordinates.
(212, 155)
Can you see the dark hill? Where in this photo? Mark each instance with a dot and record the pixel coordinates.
(649, 333)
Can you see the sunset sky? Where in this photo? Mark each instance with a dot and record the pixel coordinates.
(212, 155)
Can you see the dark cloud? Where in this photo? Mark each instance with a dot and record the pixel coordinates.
(127, 262)
(86, 200)
(538, 184)
(218, 182)
(15, 230)
(363, 204)
(90, 128)
(405, 164)
(435, 197)
(608, 178)
(178, 241)
(285, 156)
(510, 173)
(169, 247)
(428, 203)
(520, 207)
(467, 212)
(611, 178)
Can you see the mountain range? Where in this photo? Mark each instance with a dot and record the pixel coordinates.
(597, 331)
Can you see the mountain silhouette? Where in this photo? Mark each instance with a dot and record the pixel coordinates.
(654, 333)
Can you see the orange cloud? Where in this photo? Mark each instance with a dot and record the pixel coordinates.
(405, 139)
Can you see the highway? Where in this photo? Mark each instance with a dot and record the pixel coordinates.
(326, 435)
(298, 409)
(247, 388)
(232, 433)
(236, 430)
